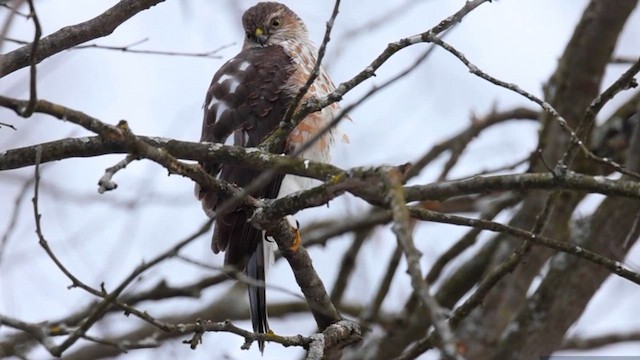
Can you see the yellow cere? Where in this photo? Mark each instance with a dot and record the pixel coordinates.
(259, 32)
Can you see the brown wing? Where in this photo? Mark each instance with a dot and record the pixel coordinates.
(246, 98)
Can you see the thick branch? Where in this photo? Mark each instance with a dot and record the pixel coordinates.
(306, 276)
(67, 37)
(524, 182)
(225, 154)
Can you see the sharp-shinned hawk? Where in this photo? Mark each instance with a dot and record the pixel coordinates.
(248, 98)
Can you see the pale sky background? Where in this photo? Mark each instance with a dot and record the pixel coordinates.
(514, 40)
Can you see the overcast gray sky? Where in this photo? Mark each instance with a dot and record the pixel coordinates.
(98, 237)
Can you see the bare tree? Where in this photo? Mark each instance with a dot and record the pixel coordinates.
(510, 287)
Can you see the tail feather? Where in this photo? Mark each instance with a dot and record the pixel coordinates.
(257, 294)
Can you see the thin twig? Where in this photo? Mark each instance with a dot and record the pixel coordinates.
(8, 125)
(587, 343)
(148, 342)
(37, 331)
(75, 282)
(228, 326)
(477, 126)
(33, 95)
(614, 266)
(240, 276)
(633, 232)
(508, 265)
(622, 60)
(161, 290)
(347, 265)
(211, 54)
(343, 113)
(108, 298)
(624, 82)
(371, 312)
(435, 313)
(69, 36)
(545, 105)
(17, 206)
(13, 11)
(470, 303)
(507, 167)
(524, 182)
(391, 49)
(313, 105)
(468, 239)
(315, 71)
(106, 182)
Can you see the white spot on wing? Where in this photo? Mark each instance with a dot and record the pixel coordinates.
(224, 77)
(243, 66)
(222, 107)
(211, 103)
(233, 86)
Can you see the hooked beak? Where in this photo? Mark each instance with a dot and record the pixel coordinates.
(261, 37)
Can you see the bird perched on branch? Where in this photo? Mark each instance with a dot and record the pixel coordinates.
(248, 97)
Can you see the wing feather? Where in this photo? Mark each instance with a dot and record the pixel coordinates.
(247, 97)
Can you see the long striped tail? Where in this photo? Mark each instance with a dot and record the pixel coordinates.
(257, 294)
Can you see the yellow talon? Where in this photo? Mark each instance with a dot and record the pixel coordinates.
(122, 125)
(335, 179)
(55, 330)
(296, 240)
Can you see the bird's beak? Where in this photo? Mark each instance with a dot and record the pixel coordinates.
(261, 37)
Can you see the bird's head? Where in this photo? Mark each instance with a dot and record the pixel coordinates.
(270, 23)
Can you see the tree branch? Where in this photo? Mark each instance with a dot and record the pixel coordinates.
(434, 312)
(613, 266)
(67, 37)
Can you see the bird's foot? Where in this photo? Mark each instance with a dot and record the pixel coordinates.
(297, 240)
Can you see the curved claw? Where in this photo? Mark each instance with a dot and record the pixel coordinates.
(297, 240)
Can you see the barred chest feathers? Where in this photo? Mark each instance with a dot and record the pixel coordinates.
(303, 55)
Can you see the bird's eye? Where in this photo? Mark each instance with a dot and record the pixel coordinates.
(275, 22)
